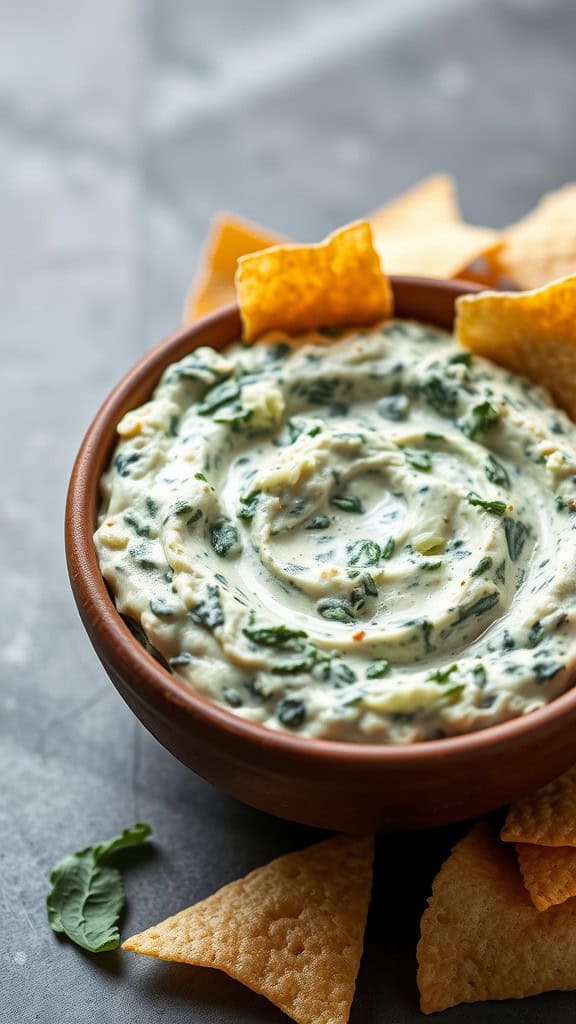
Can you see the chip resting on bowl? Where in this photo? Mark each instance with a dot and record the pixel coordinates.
(292, 931)
(547, 817)
(541, 246)
(531, 333)
(481, 937)
(549, 873)
(422, 232)
(295, 288)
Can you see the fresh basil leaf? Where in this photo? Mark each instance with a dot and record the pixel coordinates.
(87, 894)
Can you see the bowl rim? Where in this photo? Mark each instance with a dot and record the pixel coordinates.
(118, 647)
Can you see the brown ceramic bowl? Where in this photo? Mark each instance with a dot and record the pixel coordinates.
(343, 786)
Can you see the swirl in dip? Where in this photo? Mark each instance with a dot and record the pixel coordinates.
(365, 536)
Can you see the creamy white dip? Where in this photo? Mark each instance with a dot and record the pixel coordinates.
(365, 536)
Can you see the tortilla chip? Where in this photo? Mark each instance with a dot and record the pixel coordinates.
(530, 333)
(296, 288)
(547, 817)
(229, 238)
(433, 200)
(422, 232)
(291, 931)
(542, 246)
(549, 873)
(481, 938)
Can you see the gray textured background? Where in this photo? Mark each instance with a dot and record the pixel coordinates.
(124, 125)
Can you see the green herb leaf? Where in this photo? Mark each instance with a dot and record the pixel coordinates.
(442, 676)
(208, 612)
(335, 609)
(248, 506)
(87, 895)
(419, 460)
(439, 395)
(497, 508)
(347, 502)
(479, 420)
(224, 538)
(363, 552)
(218, 396)
(291, 712)
(389, 548)
(483, 565)
(516, 534)
(377, 669)
(273, 636)
(461, 357)
(318, 523)
(496, 472)
(483, 604)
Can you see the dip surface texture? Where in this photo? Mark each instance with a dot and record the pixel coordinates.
(366, 536)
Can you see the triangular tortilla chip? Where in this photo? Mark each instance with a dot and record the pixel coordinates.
(296, 288)
(481, 938)
(542, 246)
(549, 873)
(422, 232)
(530, 333)
(291, 931)
(433, 200)
(547, 817)
(229, 238)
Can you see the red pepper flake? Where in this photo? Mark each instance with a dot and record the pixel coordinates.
(359, 635)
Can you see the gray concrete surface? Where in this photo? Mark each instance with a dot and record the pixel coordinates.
(124, 125)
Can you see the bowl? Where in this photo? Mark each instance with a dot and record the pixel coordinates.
(335, 785)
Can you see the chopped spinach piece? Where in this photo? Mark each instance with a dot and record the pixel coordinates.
(248, 506)
(133, 520)
(479, 420)
(497, 508)
(536, 634)
(318, 523)
(545, 670)
(440, 396)
(200, 476)
(291, 711)
(377, 669)
(273, 636)
(124, 460)
(461, 357)
(208, 612)
(184, 658)
(347, 502)
(159, 606)
(216, 397)
(516, 534)
(342, 673)
(442, 676)
(483, 565)
(232, 697)
(363, 552)
(418, 459)
(393, 407)
(479, 676)
(389, 548)
(335, 609)
(224, 538)
(483, 604)
(496, 472)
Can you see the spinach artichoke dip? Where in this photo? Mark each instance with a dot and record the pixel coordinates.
(356, 535)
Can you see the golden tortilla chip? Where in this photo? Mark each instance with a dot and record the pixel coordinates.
(229, 238)
(542, 246)
(291, 931)
(530, 333)
(481, 938)
(547, 817)
(549, 873)
(433, 200)
(296, 288)
(422, 232)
